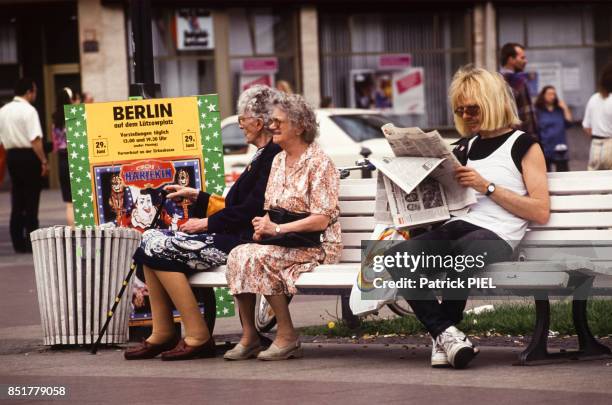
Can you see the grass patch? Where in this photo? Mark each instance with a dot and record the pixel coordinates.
(506, 319)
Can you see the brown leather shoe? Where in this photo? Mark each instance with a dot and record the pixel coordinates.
(183, 351)
(146, 350)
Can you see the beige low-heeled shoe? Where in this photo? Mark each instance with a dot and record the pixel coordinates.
(292, 351)
(240, 352)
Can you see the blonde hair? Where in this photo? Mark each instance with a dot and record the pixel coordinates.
(490, 92)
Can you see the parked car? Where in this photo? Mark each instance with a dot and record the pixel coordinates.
(347, 135)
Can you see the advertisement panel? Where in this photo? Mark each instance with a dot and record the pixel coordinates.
(122, 154)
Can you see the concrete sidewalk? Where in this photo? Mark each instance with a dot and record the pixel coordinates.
(329, 373)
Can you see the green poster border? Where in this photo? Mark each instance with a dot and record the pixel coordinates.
(80, 176)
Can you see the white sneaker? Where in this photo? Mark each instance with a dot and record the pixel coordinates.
(438, 355)
(459, 350)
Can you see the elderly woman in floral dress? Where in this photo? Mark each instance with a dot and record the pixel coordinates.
(303, 179)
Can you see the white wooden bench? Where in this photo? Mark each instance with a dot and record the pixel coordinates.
(581, 217)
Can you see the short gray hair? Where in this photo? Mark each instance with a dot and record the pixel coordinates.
(257, 102)
(300, 113)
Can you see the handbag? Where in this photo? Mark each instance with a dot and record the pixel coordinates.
(291, 239)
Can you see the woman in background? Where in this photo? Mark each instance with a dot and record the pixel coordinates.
(60, 146)
(553, 117)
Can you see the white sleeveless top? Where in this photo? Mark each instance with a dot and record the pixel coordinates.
(498, 168)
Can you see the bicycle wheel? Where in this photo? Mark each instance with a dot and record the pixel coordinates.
(264, 316)
(401, 308)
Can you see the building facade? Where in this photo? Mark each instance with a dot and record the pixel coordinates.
(346, 52)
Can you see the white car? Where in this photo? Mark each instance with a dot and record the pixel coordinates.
(345, 134)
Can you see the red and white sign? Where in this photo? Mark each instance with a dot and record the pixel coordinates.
(259, 65)
(409, 91)
(398, 61)
(247, 81)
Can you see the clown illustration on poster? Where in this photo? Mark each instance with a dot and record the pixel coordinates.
(129, 195)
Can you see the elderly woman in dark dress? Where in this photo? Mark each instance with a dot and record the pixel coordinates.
(201, 243)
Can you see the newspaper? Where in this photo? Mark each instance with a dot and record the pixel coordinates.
(412, 142)
(423, 205)
(382, 211)
(419, 181)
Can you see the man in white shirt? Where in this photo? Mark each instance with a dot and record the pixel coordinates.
(21, 135)
(597, 123)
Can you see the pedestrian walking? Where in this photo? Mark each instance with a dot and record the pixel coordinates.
(21, 135)
(513, 62)
(553, 117)
(597, 123)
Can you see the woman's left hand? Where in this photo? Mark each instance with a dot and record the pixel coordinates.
(263, 226)
(468, 177)
(194, 225)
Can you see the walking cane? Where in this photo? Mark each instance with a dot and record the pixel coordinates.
(124, 285)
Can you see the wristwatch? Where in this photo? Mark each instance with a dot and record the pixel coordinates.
(277, 229)
(490, 189)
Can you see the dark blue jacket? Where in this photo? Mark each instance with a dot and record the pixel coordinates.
(244, 200)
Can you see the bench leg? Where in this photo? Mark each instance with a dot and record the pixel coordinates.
(537, 349)
(350, 319)
(589, 346)
(206, 295)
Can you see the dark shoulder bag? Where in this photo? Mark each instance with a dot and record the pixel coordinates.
(291, 239)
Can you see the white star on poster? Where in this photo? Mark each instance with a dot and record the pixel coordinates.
(82, 146)
(209, 125)
(80, 192)
(219, 188)
(225, 310)
(215, 134)
(214, 119)
(73, 110)
(215, 166)
(211, 108)
(73, 155)
(203, 115)
(207, 138)
(202, 126)
(199, 103)
(78, 123)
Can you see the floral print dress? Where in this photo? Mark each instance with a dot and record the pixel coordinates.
(310, 185)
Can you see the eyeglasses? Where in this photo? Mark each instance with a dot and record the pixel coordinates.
(242, 119)
(471, 110)
(275, 122)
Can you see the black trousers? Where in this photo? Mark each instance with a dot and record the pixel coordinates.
(454, 238)
(26, 183)
(560, 165)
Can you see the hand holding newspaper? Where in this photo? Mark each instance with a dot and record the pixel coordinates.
(420, 180)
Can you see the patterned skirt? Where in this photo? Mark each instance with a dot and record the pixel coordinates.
(166, 250)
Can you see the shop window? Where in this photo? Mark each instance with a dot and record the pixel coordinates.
(263, 46)
(353, 72)
(181, 68)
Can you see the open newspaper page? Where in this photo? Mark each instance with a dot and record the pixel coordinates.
(410, 203)
(414, 142)
(382, 214)
(424, 205)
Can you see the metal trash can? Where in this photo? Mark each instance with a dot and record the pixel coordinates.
(79, 272)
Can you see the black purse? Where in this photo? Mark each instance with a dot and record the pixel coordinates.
(291, 239)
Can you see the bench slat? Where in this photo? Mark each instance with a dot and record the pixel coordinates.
(580, 203)
(365, 224)
(365, 208)
(587, 235)
(580, 220)
(580, 185)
